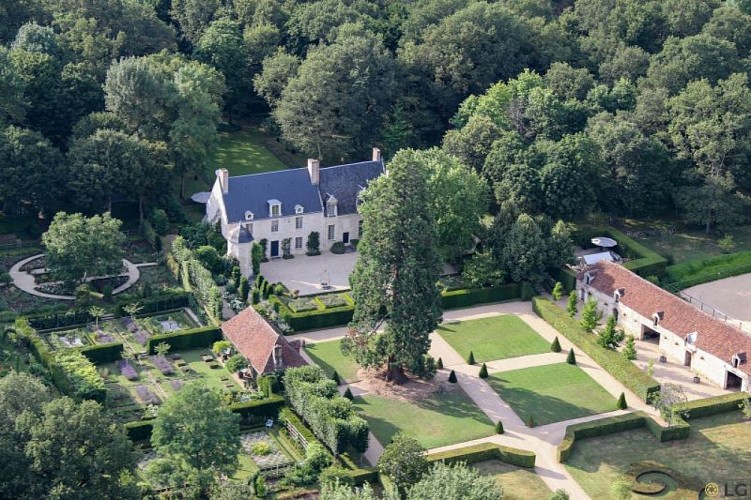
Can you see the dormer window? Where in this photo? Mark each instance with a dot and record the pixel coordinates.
(299, 209)
(738, 359)
(249, 215)
(275, 208)
(657, 317)
(331, 207)
(691, 338)
(618, 294)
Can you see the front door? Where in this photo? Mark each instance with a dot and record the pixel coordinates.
(345, 238)
(687, 359)
(275, 248)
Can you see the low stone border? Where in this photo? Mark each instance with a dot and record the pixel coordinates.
(25, 280)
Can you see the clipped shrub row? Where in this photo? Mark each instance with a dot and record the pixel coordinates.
(485, 451)
(76, 376)
(679, 430)
(140, 430)
(59, 320)
(696, 272)
(712, 406)
(338, 316)
(612, 361)
(602, 427)
(103, 353)
(186, 339)
(472, 296)
(163, 301)
(331, 417)
(196, 278)
(287, 416)
(642, 260)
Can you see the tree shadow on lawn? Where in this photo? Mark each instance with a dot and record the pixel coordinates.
(457, 407)
(545, 409)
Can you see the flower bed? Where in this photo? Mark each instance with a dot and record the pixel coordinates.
(38, 263)
(332, 300)
(302, 304)
(147, 396)
(127, 370)
(162, 364)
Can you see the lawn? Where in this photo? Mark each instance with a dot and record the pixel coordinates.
(328, 355)
(518, 483)
(551, 393)
(437, 420)
(684, 244)
(498, 337)
(718, 449)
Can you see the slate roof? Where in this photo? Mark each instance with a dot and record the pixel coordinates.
(678, 316)
(344, 183)
(256, 339)
(293, 187)
(252, 192)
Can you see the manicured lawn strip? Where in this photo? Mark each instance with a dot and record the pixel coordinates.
(695, 272)
(438, 420)
(717, 448)
(518, 483)
(612, 362)
(551, 393)
(328, 355)
(243, 152)
(498, 337)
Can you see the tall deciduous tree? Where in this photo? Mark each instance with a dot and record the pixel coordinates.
(333, 107)
(455, 481)
(396, 271)
(78, 246)
(196, 439)
(404, 462)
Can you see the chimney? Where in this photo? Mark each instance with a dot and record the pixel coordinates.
(222, 175)
(314, 169)
(278, 358)
(376, 154)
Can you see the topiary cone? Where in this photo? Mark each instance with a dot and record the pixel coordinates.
(348, 394)
(471, 358)
(499, 427)
(484, 371)
(335, 378)
(571, 358)
(439, 364)
(555, 346)
(530, 421)
(452, 377)
(621, 404)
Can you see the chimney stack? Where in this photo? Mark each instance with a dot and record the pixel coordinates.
(223, 175)
(314, 169)
(278, 358)
(376, 154)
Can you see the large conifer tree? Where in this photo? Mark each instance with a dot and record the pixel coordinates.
(396, 272)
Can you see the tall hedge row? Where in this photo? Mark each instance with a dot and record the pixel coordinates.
(331, 417)
(698, 271)
(485, 451)
(602, 427)
(76, 376)
(611, 361)
(198, 279)
(185, 339)
(472, 296)
(103, 353)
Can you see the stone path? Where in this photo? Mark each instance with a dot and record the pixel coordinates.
(25, 280)
(543, 440)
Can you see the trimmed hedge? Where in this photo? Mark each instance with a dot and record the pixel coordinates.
(287, 415)
(612, 361)
(103, 353)
(362, 475)
(58, 320)
(263, 408)
(186, 339)
(642, 260)
(712, 406)
(39, 349)
(313, 320)
(76, 376)
(472, 296)
(485, 451)
(139, 430)
(158, 302)
(679, 430)
(603, 427)
(696, 272)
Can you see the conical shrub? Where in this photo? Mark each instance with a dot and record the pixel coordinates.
(484, 371)
(555, 346)
(439, 364)
(335, 378)
(621, 404)
(471, 358)
(348, 394)
(452, 377)
(571, 358)
(530, 421)
(499, 427)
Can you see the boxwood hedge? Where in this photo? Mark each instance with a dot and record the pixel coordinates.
(186, 339)
(602, 427)
(103, 353)
(485, 451)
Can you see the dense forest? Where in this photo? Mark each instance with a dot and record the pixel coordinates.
(628, 107)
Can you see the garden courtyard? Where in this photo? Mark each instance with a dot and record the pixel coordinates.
(718, 449)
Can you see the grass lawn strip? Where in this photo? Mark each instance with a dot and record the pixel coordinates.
(518, 483)
(718, 449)
(551, 393)
(328, 355)
(437, 420)
(497, 337)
